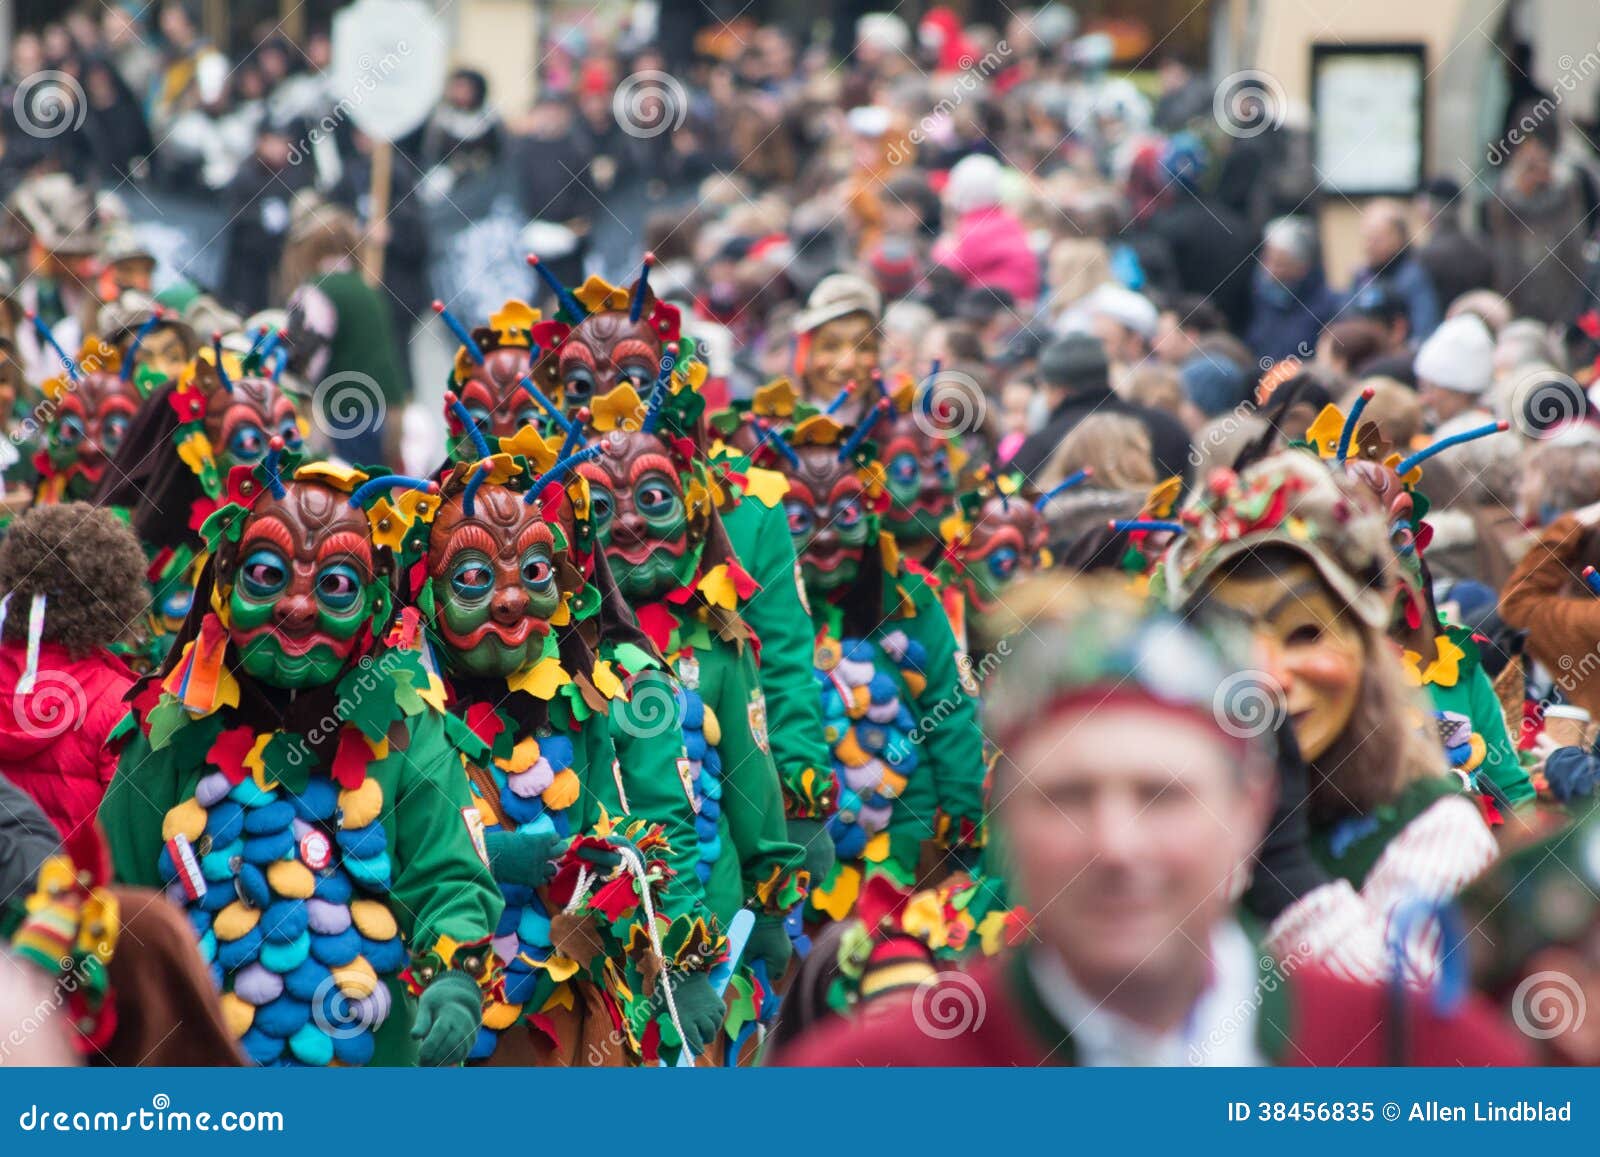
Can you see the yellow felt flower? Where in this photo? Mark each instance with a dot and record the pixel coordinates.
(417, 504)
(955, 529)
(500, 1017)
(1324, 432)
(1162, 497)
(716, 586)
(817, 430)
(389, 526)
(767, 487)
(512, 321)
(1445, 670)
(605, 680)
(924, 918)
(195, 452)
(620, 409)
(541, 452)
(55, 388)
(837, 901)
(559, 968)
(523, 756)
(1411, 478)
(541, 680)
(776, 399)
(345, 478)
(992, 933)
(598, 294)
(502, 468)
(578, 493)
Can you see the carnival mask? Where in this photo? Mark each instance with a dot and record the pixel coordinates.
(1007, 540)
(920, 482)
(1316, 650)
(301, 590)
(605, 350)
(243, 420)
(829, 517)
(495, 581)
(494, 401)
(91, 419)
(640, 516)
(162, 351)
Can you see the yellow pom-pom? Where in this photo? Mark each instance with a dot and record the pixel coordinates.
(234, 921)
(362, 805)
(860, 700)
(563, 790)
(188, 819)
(915, 683)
(849, 752)
(712, 728)
(373, 919)
(237, 1013)
(291, 879)
(892, 784)
(356, 979)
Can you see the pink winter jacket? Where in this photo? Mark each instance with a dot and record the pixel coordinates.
(989, 248)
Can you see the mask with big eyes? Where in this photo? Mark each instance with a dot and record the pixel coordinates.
(828, 512)
(1006, 541)
(495, 582)
(640, 518)
(90, 423)
(494, 401)
(300, 586)
(602, 352)
(920, 482)
(240, 424)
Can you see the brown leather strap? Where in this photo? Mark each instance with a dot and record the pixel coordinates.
(483, 783)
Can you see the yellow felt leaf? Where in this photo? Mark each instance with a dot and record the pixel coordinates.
(717, 587)
(417, 504)
(541, 452)
(388, 525)
(817, 430)
(512, 321)
(1159, 502)
(345, 478)
(252, 759)
(598, 294)
(839, 900)
(605, 680)
(502, 468)
(776, 399)
(620, 409)
(540, 680)
(378, 747)
(433, 693)
(195, 451)
(1324, 432)
(992, 932)
(924, 918)
(560, 968)
(877, 849)
(767, 487)
(1445, 670)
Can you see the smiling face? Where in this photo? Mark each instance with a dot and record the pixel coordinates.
(89, 426)
(494, 582)
(1006, 542)
(1315, 651)
(496, 403)
(828, 518)
(603, 351)
(920, 482)
(164, 351)
(302, 587)
(841, 351)
(241, 423)
(640, 518)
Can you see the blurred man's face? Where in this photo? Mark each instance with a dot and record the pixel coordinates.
(1123, 345)
(1284, 267)
(1534, 164)
(1381, 236)
(175, 25)
(1440, 405)
(1173, 343)
(460, 93)
(1124, 824)
(842, 350)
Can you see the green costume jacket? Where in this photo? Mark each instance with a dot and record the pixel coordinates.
(1457, 683)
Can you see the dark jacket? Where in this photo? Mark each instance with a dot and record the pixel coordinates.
(1169, 442)
(27, 839)
(1455, 262)
(1405, 277)
(1211, 249)
(1285, 321)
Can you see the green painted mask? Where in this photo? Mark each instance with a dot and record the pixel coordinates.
(640, 517)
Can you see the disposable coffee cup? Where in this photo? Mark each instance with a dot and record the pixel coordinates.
(1568, 726)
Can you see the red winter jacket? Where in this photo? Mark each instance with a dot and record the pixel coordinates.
(53, 740)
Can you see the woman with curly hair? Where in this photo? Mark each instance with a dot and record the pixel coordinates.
(72, 583)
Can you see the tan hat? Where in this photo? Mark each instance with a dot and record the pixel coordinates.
(119, 242)
(839, 295)
(58, 211)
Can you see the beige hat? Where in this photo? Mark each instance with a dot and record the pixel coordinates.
(58, 211)
(838, 295)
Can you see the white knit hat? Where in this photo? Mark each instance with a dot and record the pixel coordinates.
(974, 183)
(1458, 356)
(1133, 311)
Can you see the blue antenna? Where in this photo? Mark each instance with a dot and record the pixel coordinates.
(138, 340)
(569, 304)
(565, 466)
(50, 339)
(463, 334)
(1350, 423)
(853, 443)
(546, 404)
(1407, 465)
(640, 288)
(479, 442)
(1065, 484)
(216, 351)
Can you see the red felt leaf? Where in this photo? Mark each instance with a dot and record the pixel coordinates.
(650, 1042)
(743, 584)
(202, 509)
(189, 406)
(484, 722)
(545, 1025)
(657, 622)
(351, 759)
(616, 899)
(228, 751)
(417, 575)
(881, 899)
(158, 564)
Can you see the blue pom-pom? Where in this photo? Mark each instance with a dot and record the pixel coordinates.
(557, 750)
(694, 744)
(882, 688)
(269, 849)
(905, 721)
(251, 882)
(224, 822)
(872, 738)
(216, 898)
(534, 928)
(710, 810)
(858, 651)
(704, 829)
(304, 981)
(916, 656)
(164, 865)
(259, 1047)
(337, 950)
(713, 762)
(269, 818)
(516, 897)
(317, 802)
(703, 870)
(235, 954)
(311, 1046)
(365, 842)
(284, 921)
(207, 944)
(285, 958)
(484, 1044)
(355, 1049)
(217, 864)
(248, 793)
(520, 983)
(385, 956)
(371, 874)
(334, 888)
(199, 920)
(521, 810)
(283, 1017)
(694, 711)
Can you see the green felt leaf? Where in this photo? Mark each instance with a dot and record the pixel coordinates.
(586, 602)
(742, 1009)
(405, 693)
(368, 702)
(462, 738)
(165, 718)
(633, 658)
(695, 634)
(288, 760)
(191, 742)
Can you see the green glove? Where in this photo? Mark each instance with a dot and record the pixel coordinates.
(600, 857)
(449, 1012)
(522, 857)
(700, 1009)
(770, 943)
(812, 835)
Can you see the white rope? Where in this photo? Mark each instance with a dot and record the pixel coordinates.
(580, 891)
